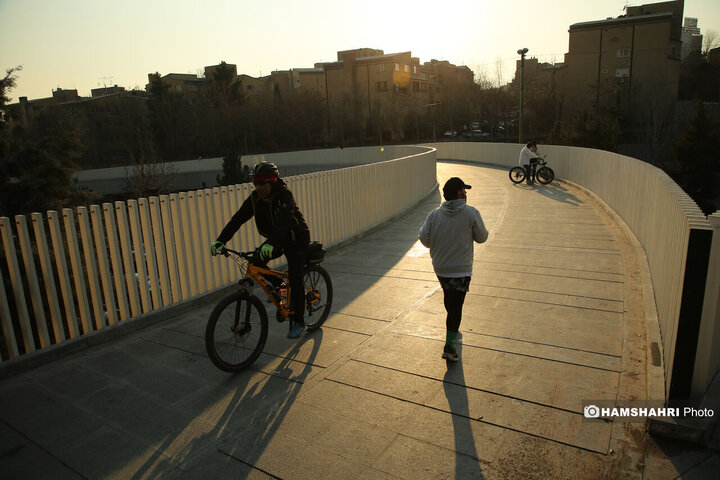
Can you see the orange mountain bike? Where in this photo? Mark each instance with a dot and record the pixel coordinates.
(238, 326)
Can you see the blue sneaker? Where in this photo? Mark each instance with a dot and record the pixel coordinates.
(296, 329)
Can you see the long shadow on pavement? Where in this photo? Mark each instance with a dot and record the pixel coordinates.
(466, 464)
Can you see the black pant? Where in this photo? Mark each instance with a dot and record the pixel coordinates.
(454, 300)
(530, 171)
(296, 256)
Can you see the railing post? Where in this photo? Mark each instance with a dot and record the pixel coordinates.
(46, 266)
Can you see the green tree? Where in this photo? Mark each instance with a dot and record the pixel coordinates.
(176, 125)
(224, 99)
(37, 163)
(699, 79)
(7, 83)
(699, 166)
(224, 88)
(36, 170)
(233, 173)
(588, 130)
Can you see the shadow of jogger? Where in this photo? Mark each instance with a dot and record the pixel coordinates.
(467, 464)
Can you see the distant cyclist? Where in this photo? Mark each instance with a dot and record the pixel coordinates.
(279, 220)
(528, 160)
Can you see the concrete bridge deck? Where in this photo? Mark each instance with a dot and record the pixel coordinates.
(554, 318)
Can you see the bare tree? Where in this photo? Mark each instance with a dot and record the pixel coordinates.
(711, 39)
(499, 77)
(148, 175)
(482, 78)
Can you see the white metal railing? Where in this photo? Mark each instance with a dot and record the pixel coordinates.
(102, 265)
(662, 217)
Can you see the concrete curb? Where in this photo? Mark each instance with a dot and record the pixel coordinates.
(654, 361)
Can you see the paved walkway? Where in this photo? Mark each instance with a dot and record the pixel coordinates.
(554, 318)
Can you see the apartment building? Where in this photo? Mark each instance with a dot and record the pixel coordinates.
(446, 77)
(190, 86)
(297, 80)
(109, 118)
(385, 89)
(612, 62)
(691, 38)
(252, 87)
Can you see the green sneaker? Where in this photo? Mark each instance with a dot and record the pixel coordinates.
(450, 354)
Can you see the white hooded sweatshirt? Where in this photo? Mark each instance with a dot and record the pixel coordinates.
(449, 232)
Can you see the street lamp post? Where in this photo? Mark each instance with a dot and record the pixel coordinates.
(522, 53)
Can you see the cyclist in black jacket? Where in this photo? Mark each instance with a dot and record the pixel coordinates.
(280, 221)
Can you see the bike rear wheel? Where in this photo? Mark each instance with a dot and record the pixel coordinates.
(318, 296)
(236, 332)
(517, 174)
(545, 175)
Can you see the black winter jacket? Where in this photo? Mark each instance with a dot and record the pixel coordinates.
(280, 221)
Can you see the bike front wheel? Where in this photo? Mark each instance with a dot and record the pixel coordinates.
(517, 174)
(236, 332)
(545, 175)
(318, 296)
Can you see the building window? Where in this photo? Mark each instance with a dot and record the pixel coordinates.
(414, 69)
(401, 90)
(406, 68)
(622, 72)
(381, 86)
(397, 67)
(381, 67)
(249, 88)
(623, 52)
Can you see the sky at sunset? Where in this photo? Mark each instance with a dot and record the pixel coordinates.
(83, 44)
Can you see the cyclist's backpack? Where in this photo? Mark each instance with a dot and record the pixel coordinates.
(316, 253)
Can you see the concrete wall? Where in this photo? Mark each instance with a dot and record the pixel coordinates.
(669, 226)
(202, 173)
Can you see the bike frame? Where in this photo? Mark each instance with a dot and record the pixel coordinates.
(258, 275)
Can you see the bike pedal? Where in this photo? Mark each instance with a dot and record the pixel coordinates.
(279, 317)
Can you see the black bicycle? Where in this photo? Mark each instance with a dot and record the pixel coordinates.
(542, 173)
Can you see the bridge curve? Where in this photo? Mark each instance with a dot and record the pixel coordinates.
(554, 319)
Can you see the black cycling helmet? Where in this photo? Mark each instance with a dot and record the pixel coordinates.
(265, 169)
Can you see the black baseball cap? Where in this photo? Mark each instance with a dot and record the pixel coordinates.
(453, 185)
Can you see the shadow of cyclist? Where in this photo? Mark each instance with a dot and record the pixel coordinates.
(248, 445)
(559, 193)
(232, 423)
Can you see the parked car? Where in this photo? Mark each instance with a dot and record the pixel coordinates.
(479, 134)
(450, 133)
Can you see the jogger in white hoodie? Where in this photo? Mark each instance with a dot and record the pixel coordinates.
(449, 232)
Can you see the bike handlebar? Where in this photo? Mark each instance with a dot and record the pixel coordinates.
(227, 251)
